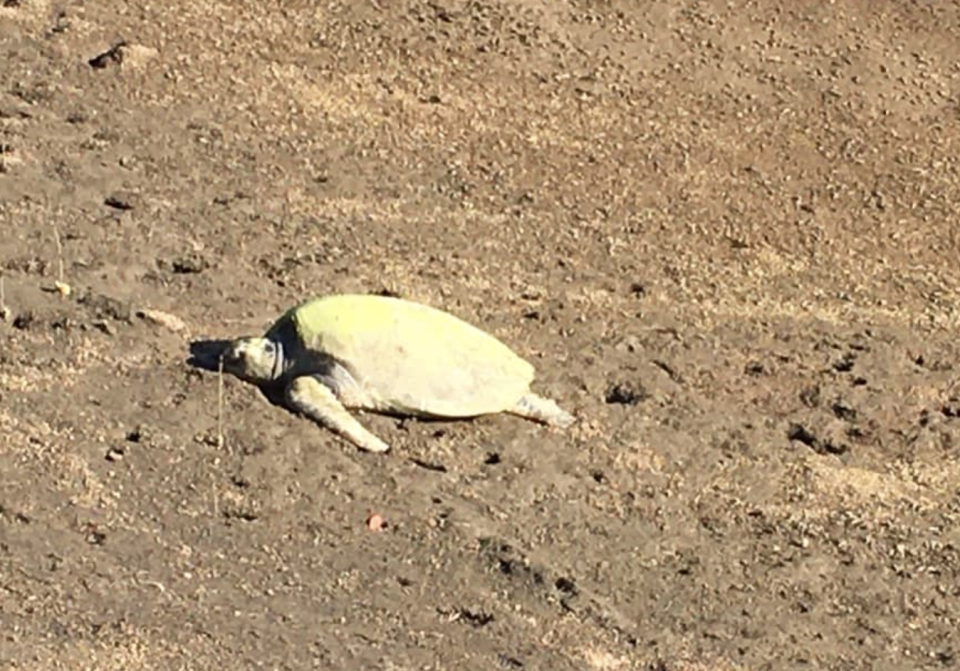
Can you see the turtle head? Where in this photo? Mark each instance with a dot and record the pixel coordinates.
(253, 359)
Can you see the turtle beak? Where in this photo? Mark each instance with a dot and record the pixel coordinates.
(229, 357)
(232, 358)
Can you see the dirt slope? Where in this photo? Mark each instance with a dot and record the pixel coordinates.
(726, 233)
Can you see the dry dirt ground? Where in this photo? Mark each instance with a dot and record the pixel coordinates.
(725, 232)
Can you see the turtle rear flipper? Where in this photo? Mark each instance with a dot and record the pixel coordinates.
(540, 409)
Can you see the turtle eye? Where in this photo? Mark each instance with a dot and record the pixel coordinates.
(269, 347)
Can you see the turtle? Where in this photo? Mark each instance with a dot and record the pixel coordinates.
(332, 354)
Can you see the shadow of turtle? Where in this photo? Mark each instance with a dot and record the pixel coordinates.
(206, 354)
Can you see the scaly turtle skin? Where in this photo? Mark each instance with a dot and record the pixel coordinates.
(387, 355)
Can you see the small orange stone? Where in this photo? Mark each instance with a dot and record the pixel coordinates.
(376, 522)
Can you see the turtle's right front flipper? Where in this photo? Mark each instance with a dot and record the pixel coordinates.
(312, 398)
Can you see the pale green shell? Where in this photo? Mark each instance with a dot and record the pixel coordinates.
(412, 356)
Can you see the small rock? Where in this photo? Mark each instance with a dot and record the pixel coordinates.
(125, 55)
(187, 264)
(831, 440)
(104, 326)
(93, 534)
(567, 586)
(810, 396)
(951, 408)
(105, 307)
(630, 344)
(112, 56)
(843, 411)
(24, 321)
(121, 200)
(375, 522)
(475, 618)
(625, 393)
(9, 158)
(161, 318)
(845, 363)
(801, 434)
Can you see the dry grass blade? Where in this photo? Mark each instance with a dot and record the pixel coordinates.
(60, 285)
(220, 402)
(59, 244)
(4, 310)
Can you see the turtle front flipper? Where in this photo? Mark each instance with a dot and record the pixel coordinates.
(310, 397)
(540, 409)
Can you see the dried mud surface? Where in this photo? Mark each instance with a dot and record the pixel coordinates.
(725, 232)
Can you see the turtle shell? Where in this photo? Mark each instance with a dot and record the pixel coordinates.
(411, 357)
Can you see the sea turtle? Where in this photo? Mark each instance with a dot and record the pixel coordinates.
(387, 355)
